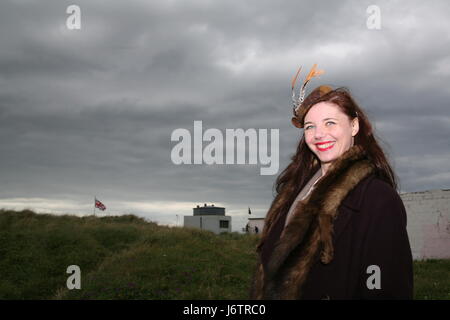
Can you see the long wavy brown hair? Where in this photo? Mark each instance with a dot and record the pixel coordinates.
(305, 163)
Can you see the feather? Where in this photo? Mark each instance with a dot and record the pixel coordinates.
(294, 79)
(314, 73)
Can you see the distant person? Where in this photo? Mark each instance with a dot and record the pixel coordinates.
(337, 226)
(246, 228)
(256, 230)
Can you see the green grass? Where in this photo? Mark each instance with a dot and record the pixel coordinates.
(128, 258)
(120, 258)
(432, 279)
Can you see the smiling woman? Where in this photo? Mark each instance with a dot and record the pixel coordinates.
(337, 226)
(329, 132)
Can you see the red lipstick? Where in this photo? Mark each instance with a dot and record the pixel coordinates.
(326, 142)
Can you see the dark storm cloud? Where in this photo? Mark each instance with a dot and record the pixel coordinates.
(91, 111)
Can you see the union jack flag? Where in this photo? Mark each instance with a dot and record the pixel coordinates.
(99, 205)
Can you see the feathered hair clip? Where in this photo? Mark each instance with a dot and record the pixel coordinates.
(297, 101)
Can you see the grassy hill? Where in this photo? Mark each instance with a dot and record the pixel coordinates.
(128, 258)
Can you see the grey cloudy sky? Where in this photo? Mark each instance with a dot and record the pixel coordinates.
(91, 111)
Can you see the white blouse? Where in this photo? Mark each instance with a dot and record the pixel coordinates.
(303, 194)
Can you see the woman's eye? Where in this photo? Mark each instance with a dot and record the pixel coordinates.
(308, 127)
(330, 122)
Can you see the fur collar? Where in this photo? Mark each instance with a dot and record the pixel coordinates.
(310, 229)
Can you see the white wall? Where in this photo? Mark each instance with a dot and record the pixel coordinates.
(256, 223)
(210, 223)
(428, 223)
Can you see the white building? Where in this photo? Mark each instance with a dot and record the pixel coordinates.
(428, 223)
(254, 225)
(209, 218)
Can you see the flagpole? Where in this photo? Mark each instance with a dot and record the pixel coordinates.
(95, 199)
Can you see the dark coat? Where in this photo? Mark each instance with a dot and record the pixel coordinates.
(367, 227)
(369, 230)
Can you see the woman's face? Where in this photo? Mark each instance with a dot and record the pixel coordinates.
(329, 132)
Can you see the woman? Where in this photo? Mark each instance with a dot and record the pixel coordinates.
(337, 227)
